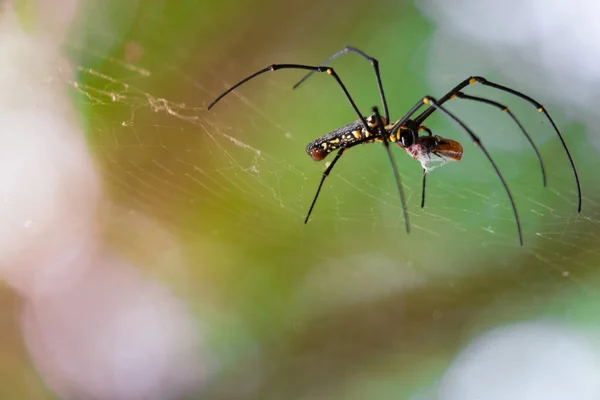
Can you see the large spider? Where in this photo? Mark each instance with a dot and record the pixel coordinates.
(405, 131)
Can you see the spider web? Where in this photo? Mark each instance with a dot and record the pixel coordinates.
(164, 150)
(237, 178)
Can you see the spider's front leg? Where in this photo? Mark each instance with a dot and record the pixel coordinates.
(456, 92)
(475, 139)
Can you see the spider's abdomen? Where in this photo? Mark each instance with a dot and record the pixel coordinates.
(347, 136)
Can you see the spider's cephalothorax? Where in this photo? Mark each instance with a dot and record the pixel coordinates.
(405, 131)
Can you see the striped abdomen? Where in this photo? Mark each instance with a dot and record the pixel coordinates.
(349, 135)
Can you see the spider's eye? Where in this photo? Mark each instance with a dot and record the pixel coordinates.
(407, 137)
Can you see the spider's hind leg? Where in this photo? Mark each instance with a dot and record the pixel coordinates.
(323, 177)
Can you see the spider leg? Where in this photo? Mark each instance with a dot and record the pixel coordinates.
(325, 175)
(424, 170)
(401, 122)
(374, 63)
(423, 188)
(514, 118)
(509, 112)
(426, 129)
(475, 139)
(383, 135)
(275, 67)
(473, 79)
(330, 71)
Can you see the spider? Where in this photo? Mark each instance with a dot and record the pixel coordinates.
(405, 131)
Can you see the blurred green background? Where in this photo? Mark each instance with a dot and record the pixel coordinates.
(348, 306)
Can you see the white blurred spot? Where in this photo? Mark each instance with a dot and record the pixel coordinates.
(528, 361)
(48, 183)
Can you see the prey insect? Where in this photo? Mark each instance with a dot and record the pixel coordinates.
(435, 150)
(405, 132)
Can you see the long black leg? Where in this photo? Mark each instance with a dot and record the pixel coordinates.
(371, 60)
(423, 188)
(325, 175)
(477, 142)
(424, 171)
(383, 135)
(509, 112)
(275, 67)
(407, 116)
(331, 72)
(401, 122)
(473, 79)
(474, 138)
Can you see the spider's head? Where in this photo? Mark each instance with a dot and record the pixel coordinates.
(406, 134)
(408, 137)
